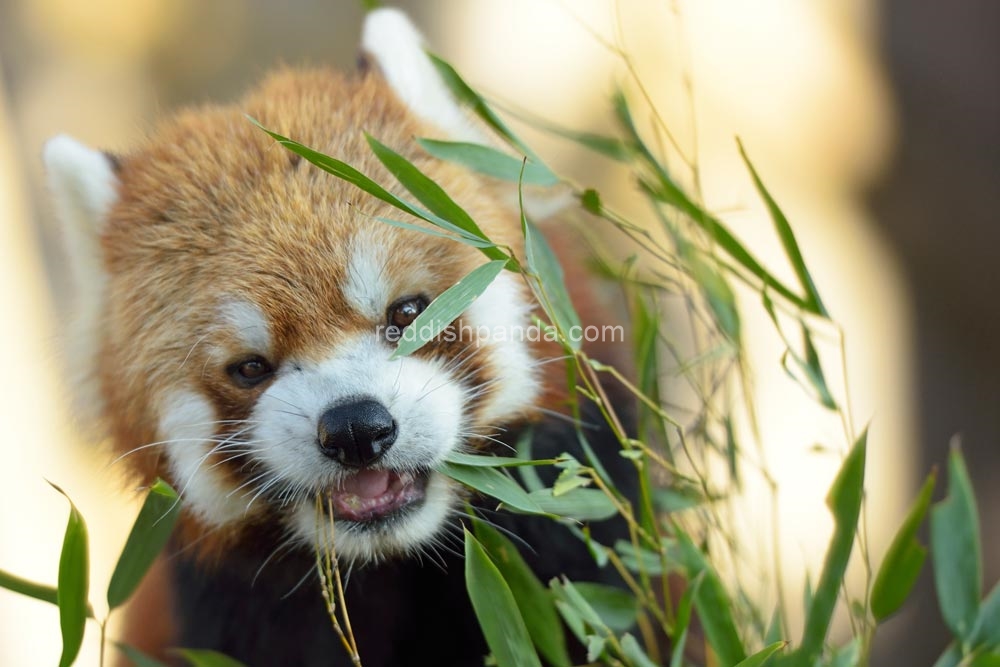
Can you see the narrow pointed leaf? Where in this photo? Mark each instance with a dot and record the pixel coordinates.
(497, 611)
(489, 161)
(634, 653)
(493, 483)
(533, 599)
(956, 549)
(987, 629)
(543, 263)
(712, 602)
(787, 237)
(149, 534)
(761, 657)
(74, 584)
(347, 173)
(427, 192)
(443, 310)
(579, 504)
(903, 560)
(617, 607)
(844, 501)
(465, 95)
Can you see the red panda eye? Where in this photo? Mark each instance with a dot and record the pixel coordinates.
(250, 371)
(402, 312)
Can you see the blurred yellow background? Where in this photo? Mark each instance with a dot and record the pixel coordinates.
(802, 83)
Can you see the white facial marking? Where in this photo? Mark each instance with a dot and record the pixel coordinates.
(503, 311)
(187, 427)
(423, 398)
(249, 324)
(398, 48)
(366, 287)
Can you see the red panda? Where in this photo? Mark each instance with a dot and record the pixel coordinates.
(230, 337)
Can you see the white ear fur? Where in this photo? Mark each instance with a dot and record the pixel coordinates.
(84, 187)
(398, 48)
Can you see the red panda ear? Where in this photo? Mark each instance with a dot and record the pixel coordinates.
(391, 44)
(84, 187)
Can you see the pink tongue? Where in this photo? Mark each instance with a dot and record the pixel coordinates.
(367, 483)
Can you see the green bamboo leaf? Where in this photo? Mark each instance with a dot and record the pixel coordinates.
(465, 95)
(617, 607)
(543, 263)
(42, 592)
(762, 656)
(844, 501)
(682, 621)
(718, 294)
(903, 560)
(956, 548)
(986, 632)
(662, 188)
(493, 483)
(207, 658)
(634, 653)
(951, 657)
(489, 161)
(427, 192)
(448, 305)
(579, 504)
(349, 174)
(775, 629)
(474, 242)
(74, 584)
(787, 237)
(33, 589)
(495, 461)
(137, 657)
(149, 534)
(712, 602)
(533, 599)
(985, 658)
(497, 611)
(565, 591)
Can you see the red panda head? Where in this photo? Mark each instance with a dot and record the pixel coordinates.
(237, 308)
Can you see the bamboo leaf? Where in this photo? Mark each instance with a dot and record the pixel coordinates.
(617, 608)
(579, 504)
(427, 192)
(533, 600)
(349, 174)
(712, 602)
(543, 263)
(955, 545)
(903, 560)
(493, 483)
(489, 161)
(497, 611)
(844, 501)
(788, 240)
(448, 305)
(762, 656)
(149, 534)
(74, 584)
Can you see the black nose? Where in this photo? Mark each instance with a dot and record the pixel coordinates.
(357, 433)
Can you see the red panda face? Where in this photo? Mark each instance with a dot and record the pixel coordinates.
(242, 310)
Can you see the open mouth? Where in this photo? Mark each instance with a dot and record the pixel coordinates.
(372, 495)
